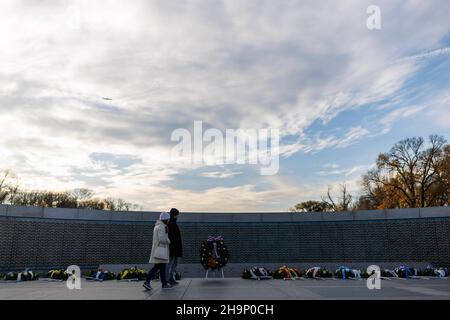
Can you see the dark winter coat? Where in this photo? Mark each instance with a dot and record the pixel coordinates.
(176, 246)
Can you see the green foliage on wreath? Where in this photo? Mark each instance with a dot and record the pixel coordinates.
(208, 258)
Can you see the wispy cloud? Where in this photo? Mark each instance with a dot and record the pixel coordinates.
(318, 143)
(331, 166)
(345, 172)
(219, 174)
(427, 55)
(402, 113)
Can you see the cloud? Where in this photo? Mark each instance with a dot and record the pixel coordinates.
(331, 166)
(315, 144)
(345, 172)
(427, 55)
(219, 174)
(405, 112)
(257, 64)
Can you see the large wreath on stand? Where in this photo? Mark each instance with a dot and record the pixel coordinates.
(214, 253)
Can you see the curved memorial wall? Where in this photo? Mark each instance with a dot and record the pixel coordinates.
(47, 238)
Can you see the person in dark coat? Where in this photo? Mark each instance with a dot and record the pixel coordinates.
(175, 247)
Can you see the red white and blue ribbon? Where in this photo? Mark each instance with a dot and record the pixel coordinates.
(213, 239)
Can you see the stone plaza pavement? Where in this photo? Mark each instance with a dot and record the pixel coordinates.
(230, 289)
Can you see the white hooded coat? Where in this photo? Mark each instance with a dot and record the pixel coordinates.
(161, 237)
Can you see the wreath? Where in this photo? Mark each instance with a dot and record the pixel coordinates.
(318, 272)
(387, 273)
(100, 275)
(434, 272)
(286, 273)
(58, 275)
(346, 273)
(132, 274)
(214, 253)
(441, 272)
(366, 275)
(26, 275)
(405, 272)
(257, 273)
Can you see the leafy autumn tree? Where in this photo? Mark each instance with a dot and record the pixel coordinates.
(412, 174)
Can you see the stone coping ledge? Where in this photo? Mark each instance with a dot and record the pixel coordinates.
(144, 216)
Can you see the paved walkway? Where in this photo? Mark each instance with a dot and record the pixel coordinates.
(231, 289)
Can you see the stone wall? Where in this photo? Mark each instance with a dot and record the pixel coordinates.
(46, 238)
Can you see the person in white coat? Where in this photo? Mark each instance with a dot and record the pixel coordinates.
(160, 252)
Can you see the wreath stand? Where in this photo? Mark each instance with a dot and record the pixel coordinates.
(215, 273)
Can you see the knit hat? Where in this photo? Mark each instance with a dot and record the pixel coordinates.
(164, 216)
(174, 212)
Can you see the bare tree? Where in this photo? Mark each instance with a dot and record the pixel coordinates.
(9, 186)
(82, 194)
(122, 205)
(110, 204)
(77, 198)
(341, 203)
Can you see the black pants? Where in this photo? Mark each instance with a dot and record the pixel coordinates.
(162, 273)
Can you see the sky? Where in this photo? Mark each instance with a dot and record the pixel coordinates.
(339, 93)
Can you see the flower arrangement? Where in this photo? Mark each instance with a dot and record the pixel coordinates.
(214, 253)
